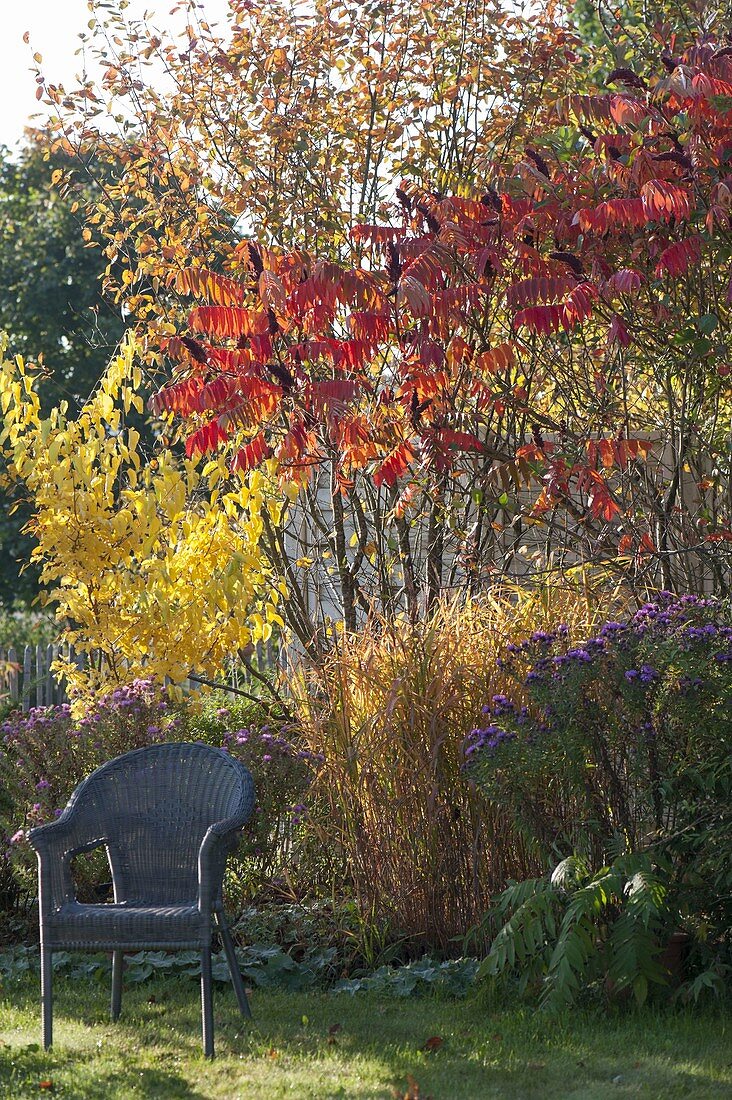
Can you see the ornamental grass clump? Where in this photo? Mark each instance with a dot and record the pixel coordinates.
(618, 757)
(421, 849)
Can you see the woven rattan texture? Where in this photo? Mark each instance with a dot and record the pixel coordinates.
(168, 816)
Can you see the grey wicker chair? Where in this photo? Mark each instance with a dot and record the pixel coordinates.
(168, 816)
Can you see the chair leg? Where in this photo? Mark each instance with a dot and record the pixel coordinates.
(207, 1003)
(47, 996)
(236, 979)
(117, 967)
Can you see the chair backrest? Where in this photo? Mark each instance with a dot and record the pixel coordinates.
(153, 807)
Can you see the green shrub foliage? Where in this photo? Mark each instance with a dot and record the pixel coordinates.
(620, 766)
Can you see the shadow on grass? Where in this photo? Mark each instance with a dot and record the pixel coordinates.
(26, 1072)
(320, 1045)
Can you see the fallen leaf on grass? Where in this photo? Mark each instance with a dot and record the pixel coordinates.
(273, 1053)
(433, 1043)
(46, 1085)
(413, 1091)
(332, 1032)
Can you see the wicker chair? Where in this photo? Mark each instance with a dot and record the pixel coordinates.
(168, 816)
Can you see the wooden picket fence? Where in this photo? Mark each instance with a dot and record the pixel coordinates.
(26, 675)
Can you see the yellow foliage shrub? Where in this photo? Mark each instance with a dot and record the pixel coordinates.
(154, 563)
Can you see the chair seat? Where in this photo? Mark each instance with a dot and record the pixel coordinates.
(129, 924)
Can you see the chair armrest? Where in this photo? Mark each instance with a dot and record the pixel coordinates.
(219, 841)
(56, 844)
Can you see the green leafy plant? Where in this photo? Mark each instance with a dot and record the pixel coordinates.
(267, 966)
(566, 931)
(621, 758)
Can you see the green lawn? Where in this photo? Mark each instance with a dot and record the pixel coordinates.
(323, 1045)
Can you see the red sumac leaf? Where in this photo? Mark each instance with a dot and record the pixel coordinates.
(663, 200)
(395, 465)
(495, 359)
(533, 291)
(228, 322)
(542, 320)
(370, 327)
(412, 294)
(375, 234)
(181, 397)
(627, 111)
(587, 108)
(618, 333)
(251, 455)
(205, 439)
(613, 214)
(679, 257)
(271, 291)
(578, 304)
(625, 281)
(461, 441)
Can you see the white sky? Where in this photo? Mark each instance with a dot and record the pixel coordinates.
(54, 27)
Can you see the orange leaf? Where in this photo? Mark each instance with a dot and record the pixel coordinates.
(628, 111)
(213, 288)
(495, 359)
(662, 201)
(228, 322)
(613, 214)
(271, 291)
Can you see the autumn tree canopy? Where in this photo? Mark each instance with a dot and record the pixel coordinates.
(466, 311)
(564, 328)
